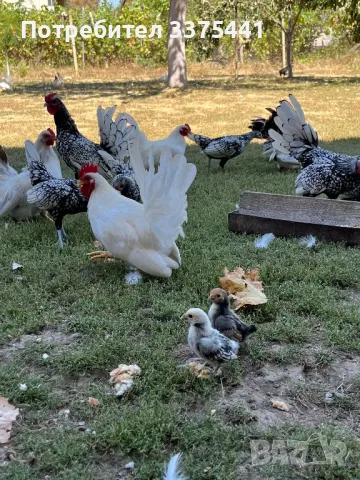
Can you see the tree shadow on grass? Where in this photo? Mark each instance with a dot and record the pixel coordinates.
(149, 88)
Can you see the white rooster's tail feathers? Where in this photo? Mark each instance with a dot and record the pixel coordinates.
(173, 470)
(296, 134)
(164, 193)
(38, 171)
(13, 186)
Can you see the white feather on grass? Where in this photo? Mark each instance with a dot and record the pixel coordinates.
(173, 470)
(308, 241)
(264, 241)
(133, 278)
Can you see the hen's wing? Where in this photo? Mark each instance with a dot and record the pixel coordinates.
(52, 194)
(323, 178)
(229, 146)
(228, 326)
(163, 193)
(217, 348)
(13, 192)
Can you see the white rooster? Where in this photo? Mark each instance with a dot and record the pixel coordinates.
(175, 142)
(14, 186)
(143, 235)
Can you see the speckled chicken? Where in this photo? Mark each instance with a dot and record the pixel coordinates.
(284, 162)
(224, 319)
(227, 147)
(118, 137)
(76, 150)
(60, 197)
(322, 171)
(207, 342)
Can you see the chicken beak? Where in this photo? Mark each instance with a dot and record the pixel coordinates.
(183, 317)
(80, 183)
(45, 104)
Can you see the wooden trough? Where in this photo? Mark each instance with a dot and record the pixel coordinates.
(291, 215)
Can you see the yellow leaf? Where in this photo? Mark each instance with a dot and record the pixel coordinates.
(244, 288)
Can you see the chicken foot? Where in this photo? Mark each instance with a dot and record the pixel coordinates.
(100, 255)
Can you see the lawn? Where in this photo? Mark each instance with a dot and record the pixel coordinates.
(88, 321)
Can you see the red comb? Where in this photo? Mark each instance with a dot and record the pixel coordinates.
(49, 97)
(51, 132)
(89, 168)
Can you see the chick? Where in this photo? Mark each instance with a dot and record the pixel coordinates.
(225, 320)
(208, 343)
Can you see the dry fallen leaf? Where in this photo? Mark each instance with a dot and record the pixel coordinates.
(244, 288)
(8, 414)
(280, 406)
(93, 402)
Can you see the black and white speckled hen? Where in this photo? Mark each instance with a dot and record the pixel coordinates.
(58, 196)
(118, 136)
(227, 147)
(75, 149)
(284, 162)
(322, 171)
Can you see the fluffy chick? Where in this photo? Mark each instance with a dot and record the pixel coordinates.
(225, 320)
(208, 343)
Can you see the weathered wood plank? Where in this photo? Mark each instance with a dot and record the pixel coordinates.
(290, 215)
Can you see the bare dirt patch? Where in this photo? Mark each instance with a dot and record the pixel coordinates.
(315, 394)
(52, 336)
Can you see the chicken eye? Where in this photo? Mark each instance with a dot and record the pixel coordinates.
(190, 316)
(218, 296)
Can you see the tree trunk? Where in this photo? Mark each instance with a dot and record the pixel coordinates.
(289, 53)
(283, 42)
(237, 41)
(176, 46)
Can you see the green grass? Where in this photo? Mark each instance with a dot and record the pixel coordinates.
(311, 309)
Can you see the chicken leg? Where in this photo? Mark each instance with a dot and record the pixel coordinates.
(100, 255)
(62, 237)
